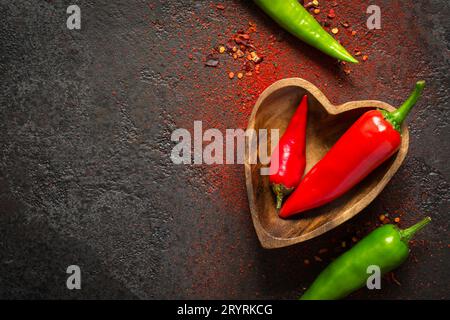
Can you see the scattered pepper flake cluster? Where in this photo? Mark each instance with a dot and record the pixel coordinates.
(240, 48)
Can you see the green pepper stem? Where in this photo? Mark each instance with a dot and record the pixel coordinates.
(398, 116)
(279, 200)
(280, 192)
(408, 233)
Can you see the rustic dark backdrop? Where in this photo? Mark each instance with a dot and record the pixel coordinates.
(85, 172)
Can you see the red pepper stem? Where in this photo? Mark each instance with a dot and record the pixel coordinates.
(398, 116)
(408, 233)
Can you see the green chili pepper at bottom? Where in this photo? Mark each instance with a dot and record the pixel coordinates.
(385, 247)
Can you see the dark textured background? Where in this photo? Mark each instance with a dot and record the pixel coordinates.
(85, 173)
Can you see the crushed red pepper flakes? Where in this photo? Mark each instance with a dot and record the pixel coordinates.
(331, 14)
(220, 7)
(212, 61)
(318, 259)
(335, 30)
(231, 75)
(240, 46)
(312, 4)
(365, 58)
(316, 11)
(252, 27)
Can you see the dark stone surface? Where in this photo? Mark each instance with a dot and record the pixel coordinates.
(86, 178)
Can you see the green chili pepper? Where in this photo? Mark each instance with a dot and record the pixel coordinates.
(293, 17)
(385, 247)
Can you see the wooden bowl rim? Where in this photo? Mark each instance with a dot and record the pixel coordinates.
(266, 239)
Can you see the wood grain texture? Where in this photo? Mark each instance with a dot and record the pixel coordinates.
(326, 123)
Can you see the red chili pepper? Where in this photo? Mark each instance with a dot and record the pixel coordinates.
(371, 140)
(288, 160)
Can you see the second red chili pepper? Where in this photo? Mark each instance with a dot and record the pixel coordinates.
(370, 141)
(287, 162)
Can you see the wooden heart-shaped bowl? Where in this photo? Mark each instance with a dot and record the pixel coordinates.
(326, 123)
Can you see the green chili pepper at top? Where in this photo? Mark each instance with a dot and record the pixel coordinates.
(386, 247)
(293, 17)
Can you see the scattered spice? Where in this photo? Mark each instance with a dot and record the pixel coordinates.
(306, 262)
(318, 259)
(334, 30)
(231, 75)
(212, 61)
(354, 239)
(353, 32)
(343, 244)
(220, 7)
(311, 4)
(365, 58)
(331, 14)
(345, 24)
(255, 58)
(382, 217)
(323, 250)
(252, 27)
(397, 220)
(316, 11)
(240, 46)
